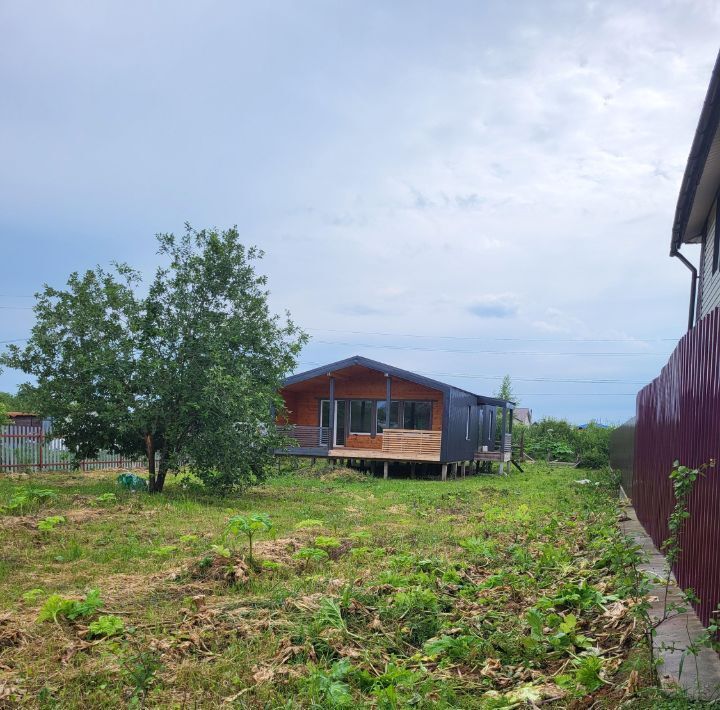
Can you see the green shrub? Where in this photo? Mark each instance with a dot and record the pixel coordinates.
(27, 500)
(50, 523)
(559, 440)
(249, 526)
(106, 626)
(57, 606)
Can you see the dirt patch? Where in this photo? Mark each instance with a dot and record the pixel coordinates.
(10, 634)
(30, 522)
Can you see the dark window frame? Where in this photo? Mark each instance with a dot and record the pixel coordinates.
(401, 415)
(374, 413)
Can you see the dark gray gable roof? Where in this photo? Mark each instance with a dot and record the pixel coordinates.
(702, 172)
(390, 370)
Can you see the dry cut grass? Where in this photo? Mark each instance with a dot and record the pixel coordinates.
(484, 592)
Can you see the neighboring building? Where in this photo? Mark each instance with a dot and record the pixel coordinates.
(678, 413)
(25, 419)
(522, 415)
(380, 412)
(697, 206)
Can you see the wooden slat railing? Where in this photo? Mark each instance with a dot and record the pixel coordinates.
(305, 436)
(412, 443)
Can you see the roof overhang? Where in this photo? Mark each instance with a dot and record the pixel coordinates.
(702, 172)
(391, 371)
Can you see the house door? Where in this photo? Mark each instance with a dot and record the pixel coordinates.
(339, 424)
(338, 421)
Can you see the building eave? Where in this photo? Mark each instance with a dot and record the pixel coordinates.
(702, 172)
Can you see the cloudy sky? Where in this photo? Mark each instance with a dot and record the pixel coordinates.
(464, 189)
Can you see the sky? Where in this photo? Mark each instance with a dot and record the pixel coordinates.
(462, 189)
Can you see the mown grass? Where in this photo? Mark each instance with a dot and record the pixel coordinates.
(480, 592)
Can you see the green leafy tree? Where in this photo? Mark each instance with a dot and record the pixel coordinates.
(20, 402)
(185, 374)
(506, 390)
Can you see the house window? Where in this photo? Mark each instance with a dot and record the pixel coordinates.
(417, 415)
(360, 416)
(467, 424)
(394, 415)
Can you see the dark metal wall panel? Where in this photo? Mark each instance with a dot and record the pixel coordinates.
(622, 453)
(678, 418)
(458, 447)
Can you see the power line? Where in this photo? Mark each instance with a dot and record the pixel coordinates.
(488, 352)
(516, 379)
(518, 340)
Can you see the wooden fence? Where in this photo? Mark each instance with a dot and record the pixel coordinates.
(25, 448)
(678, 418)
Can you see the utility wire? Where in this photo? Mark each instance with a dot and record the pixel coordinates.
(515, 379)
(487, 352)
(518, 340)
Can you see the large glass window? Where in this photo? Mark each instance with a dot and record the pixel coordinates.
(382, 415)
(360, 416)
(417, 415)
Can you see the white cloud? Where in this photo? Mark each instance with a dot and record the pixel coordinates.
(397, 162)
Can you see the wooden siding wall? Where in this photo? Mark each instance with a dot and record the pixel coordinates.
(303, 400)
(709, 296)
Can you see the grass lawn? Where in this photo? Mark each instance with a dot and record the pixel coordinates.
(479, 592)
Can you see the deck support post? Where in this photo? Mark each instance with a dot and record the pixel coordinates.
(462, 473)
(412, 469)
(331, 414)
(504, 428)
(443, 474)
(386, 467)
(501, 468)
(313, 461)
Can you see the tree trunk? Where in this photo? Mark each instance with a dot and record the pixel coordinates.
(162, 471)
(150, 451)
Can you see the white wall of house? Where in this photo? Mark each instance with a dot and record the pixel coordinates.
(709, 281)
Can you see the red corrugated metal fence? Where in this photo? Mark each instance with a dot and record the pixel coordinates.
(678, 418)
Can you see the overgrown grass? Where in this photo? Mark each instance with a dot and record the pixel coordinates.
(481, 592)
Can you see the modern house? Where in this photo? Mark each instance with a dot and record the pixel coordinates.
(363, 409)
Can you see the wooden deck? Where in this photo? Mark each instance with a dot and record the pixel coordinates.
(379, 455)
(398, 445)
(500, 456)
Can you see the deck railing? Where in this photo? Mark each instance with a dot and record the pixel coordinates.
(507, 443)
(305, 436)
(412, 442)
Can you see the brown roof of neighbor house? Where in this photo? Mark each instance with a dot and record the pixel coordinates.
(702, 172)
